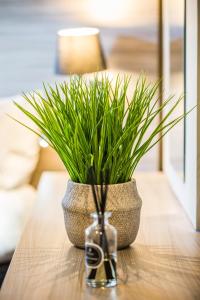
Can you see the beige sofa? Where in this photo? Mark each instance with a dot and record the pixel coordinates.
(22, 162)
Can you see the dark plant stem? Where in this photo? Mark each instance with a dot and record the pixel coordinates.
(100, 204)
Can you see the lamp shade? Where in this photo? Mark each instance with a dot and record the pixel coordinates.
(79, 51)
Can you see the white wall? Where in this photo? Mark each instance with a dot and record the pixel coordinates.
(186, 191)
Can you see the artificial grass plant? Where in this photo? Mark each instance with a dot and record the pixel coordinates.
(94, 124)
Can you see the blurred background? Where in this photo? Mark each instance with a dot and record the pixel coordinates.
(129, 32)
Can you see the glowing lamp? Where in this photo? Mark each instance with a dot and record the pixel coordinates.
(79, 51)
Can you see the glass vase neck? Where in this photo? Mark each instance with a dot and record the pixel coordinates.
(101, 217)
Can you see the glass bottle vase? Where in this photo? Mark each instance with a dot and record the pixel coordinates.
(101, 252)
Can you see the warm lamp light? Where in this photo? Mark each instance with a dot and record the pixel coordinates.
(79, 51)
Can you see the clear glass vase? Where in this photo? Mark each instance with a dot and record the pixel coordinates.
(101, 252)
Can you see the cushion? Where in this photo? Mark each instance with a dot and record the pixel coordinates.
(15, 208)
(19, 147)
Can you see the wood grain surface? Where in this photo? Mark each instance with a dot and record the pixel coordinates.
(163, 263)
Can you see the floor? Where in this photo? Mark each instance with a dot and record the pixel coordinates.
(3, 270)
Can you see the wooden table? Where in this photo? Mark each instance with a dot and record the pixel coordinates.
(163, 263)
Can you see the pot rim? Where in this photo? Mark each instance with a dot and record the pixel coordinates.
(112, 184)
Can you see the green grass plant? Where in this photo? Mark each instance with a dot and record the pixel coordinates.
(94, 124)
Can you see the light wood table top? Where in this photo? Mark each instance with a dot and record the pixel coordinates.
(163, 263)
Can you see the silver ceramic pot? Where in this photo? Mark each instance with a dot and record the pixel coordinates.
(123, 201)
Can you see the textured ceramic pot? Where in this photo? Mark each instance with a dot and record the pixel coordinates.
(123, 200)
